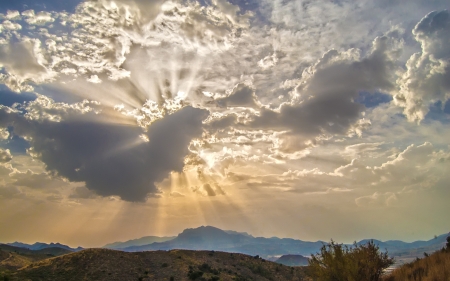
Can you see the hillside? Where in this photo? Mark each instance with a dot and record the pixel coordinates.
(104, 264)
(13, 258)
(430, 268)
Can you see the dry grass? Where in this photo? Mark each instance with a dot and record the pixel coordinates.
(435, 267)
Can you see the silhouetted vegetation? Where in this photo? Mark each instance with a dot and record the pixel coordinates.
(434, 267)
(337, 262)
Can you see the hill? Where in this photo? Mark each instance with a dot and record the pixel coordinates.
(137, 242)
(13, 258)
(105, 264)
(293, 260)
(430, 268)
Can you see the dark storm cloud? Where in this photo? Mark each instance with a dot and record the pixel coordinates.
(328, 99)
(111, 159)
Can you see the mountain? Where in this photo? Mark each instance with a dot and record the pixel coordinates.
(212, 238)
(293, 260)
(105, 264)
(12, 258)
(40, 246)
(137, 242)
(396, 247)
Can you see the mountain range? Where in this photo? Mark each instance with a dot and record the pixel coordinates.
(40, 246)
(137, 242)
(212, 238)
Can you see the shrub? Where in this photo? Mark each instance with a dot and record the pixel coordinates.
(192, 275)
(432, 268)
(336, 262)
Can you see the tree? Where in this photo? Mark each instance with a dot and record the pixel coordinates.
(337, 262)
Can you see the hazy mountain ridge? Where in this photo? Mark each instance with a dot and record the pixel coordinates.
(212, 238)
(137, 242)
(40, 246)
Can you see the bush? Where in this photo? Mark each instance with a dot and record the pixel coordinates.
(336, 262)
(432, 268)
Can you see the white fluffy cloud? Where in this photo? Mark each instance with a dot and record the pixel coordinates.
(426, 80)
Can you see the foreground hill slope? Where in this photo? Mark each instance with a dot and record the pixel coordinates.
(435, 267)
(104, 264)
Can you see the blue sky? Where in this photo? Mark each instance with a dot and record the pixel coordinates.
(289, 118)
(55, 5)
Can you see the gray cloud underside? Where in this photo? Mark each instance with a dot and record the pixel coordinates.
(111, 159)
(327, 100)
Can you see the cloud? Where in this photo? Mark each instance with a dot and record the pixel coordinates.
(5, 171)
(415, 168)
(10, 192)
(21, 65)
(427, 75)
(36, 180)
(5, 156)
(324, 103)
(241, 96)
(4, 134)
(209, 190)
(55, 198)
(81, 192)
(357, 150)
(176, 194)
(377, 200)
(112, 159)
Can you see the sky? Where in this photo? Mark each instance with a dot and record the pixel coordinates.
(291, 118)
